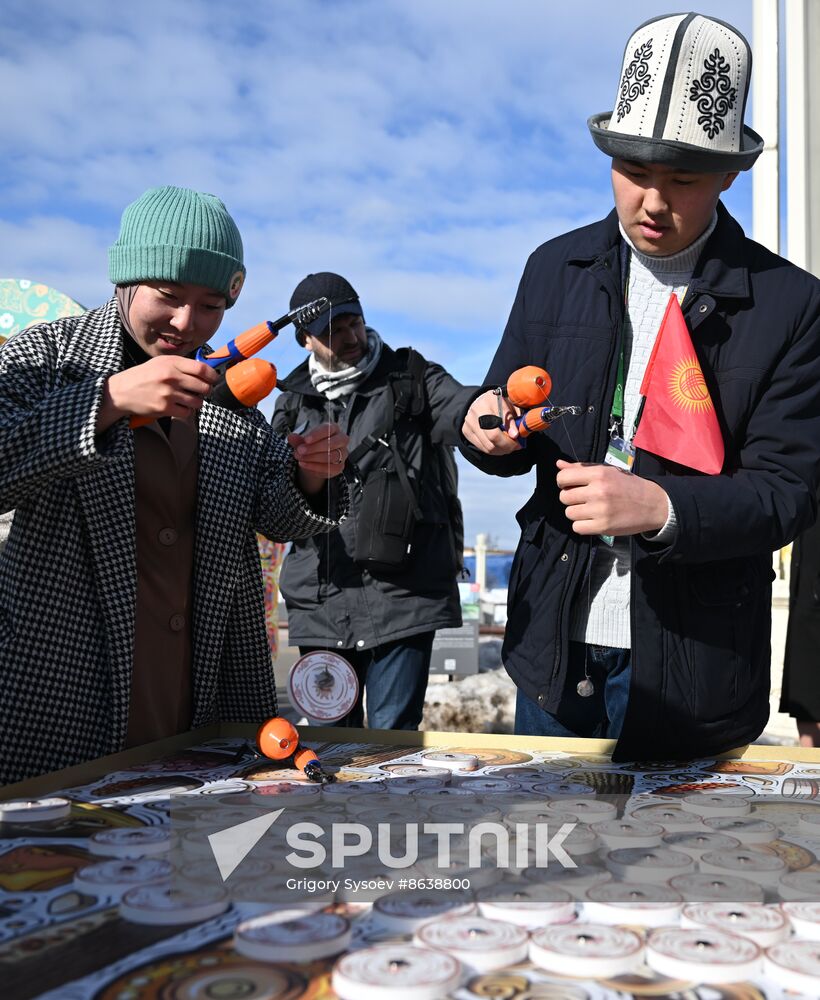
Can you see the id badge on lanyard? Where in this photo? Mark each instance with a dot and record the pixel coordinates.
(621, 455)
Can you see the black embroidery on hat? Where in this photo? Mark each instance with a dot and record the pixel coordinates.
(636, 78)
(714, 94)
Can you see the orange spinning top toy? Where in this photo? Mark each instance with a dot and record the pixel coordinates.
(278, 739)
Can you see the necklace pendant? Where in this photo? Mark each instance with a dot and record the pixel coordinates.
(585, 688)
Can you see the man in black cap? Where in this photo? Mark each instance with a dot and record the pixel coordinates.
(376, 590)
(640, 595)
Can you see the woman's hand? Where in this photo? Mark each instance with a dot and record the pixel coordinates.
(160, 387)
(321, 454)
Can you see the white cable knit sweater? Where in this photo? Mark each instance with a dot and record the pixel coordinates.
(600, 615)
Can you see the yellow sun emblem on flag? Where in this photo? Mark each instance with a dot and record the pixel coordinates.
(687, 386)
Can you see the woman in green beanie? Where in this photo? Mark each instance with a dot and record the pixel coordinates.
(131, 602)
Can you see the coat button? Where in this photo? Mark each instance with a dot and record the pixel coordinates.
(176, 623)
(360, 643)
(339, 643)
(564, 557)
(167, 536)
(540, 699)
(704, 308)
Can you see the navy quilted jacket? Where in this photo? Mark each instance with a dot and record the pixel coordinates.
(700, 609)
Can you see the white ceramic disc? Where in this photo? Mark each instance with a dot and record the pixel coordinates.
(615, 833)
(765, 925)
(708, 804)
(698, 844)
(799, 886)
(746, 829)
(578, 843)
(459, 867)
(136, 843)
(164, 905)
(809, 822)
(112, 878)
(323, 686)
(434, 795)
(452, 811)
(563, 789)
(596, 949)
(396, 972)
(206, 872)
(795, 965)
(411, 770)
(481, 944)
(34, 810)
(526, 774)
(278, 892)
(702, 954)
(303, 938)
(750, 864)
(489, 786)
(717, 888)
(804, 917)
(517, 903)
(648, 864)
(452, 761)
(403, 786)
(404, 911)
(634, 905)
(575, 881)
(531, 817)
(672, 818)
(366, 800)
(585, 810)
(347, 789)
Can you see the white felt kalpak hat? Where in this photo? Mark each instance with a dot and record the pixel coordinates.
(681, 97)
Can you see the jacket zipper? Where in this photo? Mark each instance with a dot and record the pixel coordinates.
(601, 263)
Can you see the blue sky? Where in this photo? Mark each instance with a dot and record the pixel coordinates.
(421, 148)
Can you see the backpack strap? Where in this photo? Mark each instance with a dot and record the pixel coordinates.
(407, 385)
(413, 399)
(291, 404)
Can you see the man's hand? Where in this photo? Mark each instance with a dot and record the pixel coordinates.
(321, 454)
(160, 387)
(502, 440)
(603, 500)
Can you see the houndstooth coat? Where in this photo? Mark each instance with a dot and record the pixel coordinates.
(68, 572)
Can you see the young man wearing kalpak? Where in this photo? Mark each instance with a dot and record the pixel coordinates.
(661, 638)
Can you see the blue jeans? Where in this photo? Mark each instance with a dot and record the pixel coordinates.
(600, 715)
(395, 678)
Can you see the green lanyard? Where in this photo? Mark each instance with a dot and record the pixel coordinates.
(617, 416)
(616, 419)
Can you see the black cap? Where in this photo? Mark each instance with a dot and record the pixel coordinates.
(324, 284)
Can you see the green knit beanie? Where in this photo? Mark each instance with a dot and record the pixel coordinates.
(176, 234)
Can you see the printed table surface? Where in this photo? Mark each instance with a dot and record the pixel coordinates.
(177, 870)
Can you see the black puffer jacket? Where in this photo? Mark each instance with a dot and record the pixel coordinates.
(330, 600)
(701, 606)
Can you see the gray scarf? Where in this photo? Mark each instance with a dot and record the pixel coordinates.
(341, 383)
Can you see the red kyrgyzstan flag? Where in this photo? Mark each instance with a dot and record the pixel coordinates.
(679, 420)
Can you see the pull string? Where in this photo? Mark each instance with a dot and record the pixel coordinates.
(566, 428)
(585, 687)
(326, 677)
